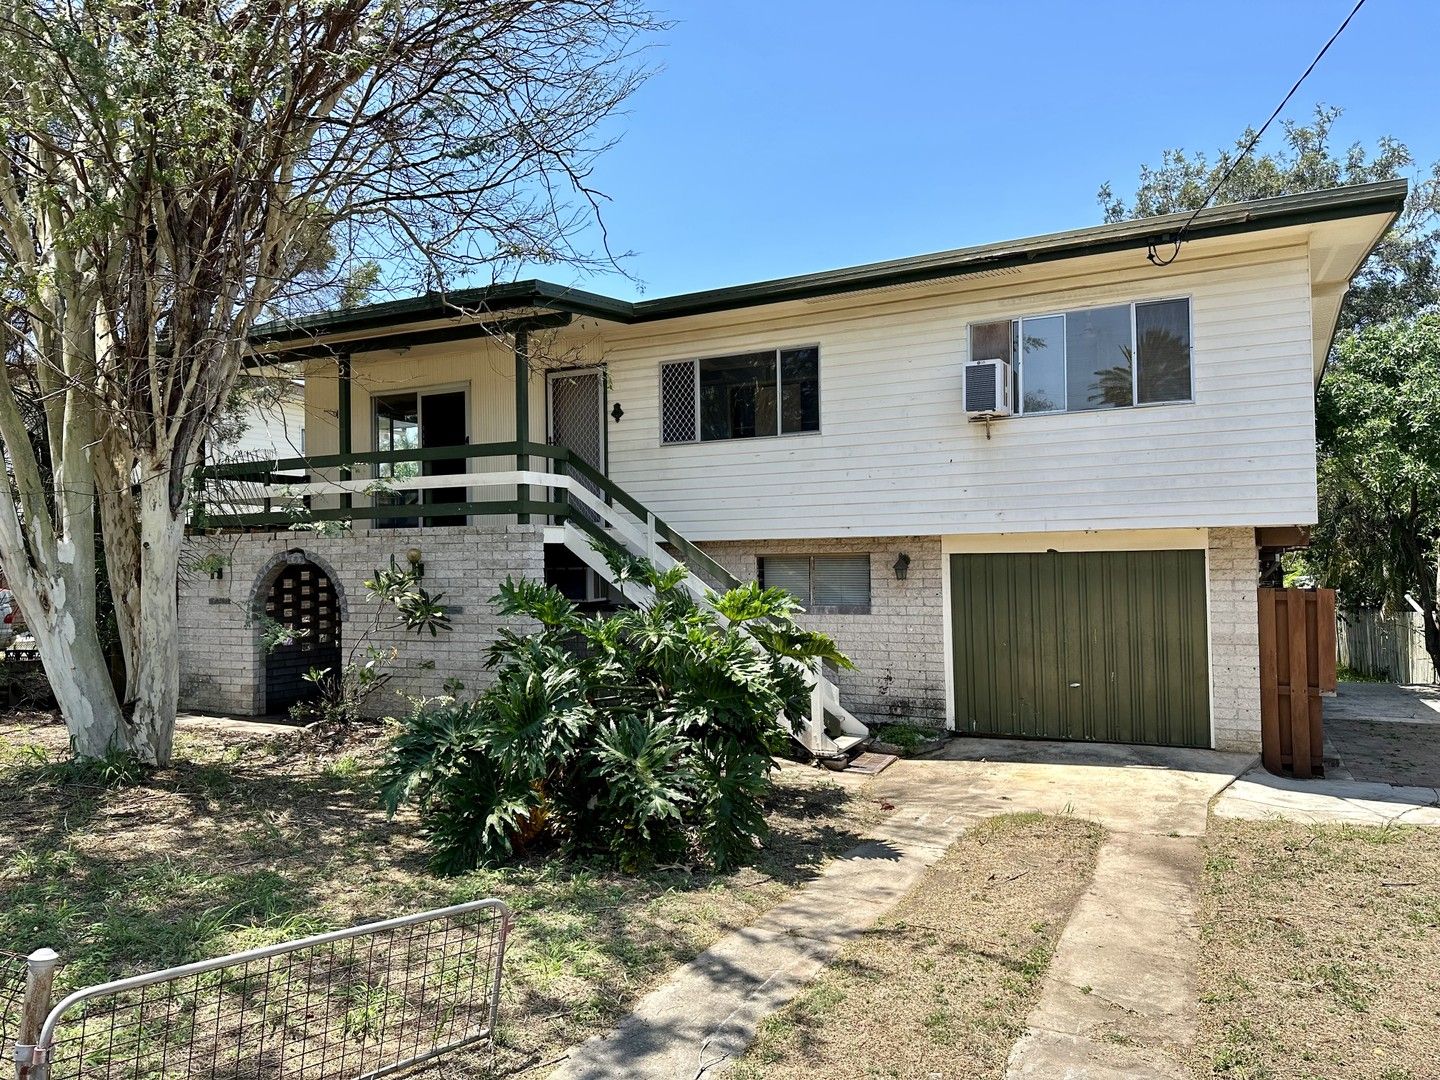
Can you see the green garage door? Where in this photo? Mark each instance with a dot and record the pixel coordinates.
(1107, 646)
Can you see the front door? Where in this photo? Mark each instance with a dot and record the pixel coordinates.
(577, 416)
(443, 423)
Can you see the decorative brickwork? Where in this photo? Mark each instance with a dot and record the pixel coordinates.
(221, 666)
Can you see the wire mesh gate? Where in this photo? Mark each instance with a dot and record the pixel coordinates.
(357, 1003)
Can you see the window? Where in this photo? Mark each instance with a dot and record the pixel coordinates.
(775, 392)
(397, 427)
(1093, 358)
(837, 584)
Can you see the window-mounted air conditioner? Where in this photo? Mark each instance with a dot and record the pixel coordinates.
(988, 389)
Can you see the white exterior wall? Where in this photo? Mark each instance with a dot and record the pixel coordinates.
(895, 455)
(221, 663)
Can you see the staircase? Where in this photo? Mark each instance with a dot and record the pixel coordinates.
(613, 518)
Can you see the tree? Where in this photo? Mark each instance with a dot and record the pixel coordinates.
(1377, 409)
(1401, 278)
(172, 172)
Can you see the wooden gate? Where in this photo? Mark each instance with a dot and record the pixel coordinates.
(1297, 666)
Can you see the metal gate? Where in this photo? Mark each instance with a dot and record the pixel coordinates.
(301, 599)
(357, 1003)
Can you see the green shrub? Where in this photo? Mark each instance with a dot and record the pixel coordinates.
(638, 737)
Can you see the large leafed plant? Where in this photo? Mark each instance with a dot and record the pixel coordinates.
(641, 736)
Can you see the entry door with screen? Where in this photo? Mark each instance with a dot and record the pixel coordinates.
(577, 418)
(411, 420)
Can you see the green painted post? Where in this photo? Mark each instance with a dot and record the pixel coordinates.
(346, 435)
(522, 414)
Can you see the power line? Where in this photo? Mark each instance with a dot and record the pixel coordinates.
(1180, 236)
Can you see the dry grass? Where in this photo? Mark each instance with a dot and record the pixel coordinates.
(248, 839)
(1322, 948)
(942, 986)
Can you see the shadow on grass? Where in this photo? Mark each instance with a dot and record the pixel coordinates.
(127, 871)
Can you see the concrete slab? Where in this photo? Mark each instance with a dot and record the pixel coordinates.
(1385, 702)
(1260, 796)
(1154, 803)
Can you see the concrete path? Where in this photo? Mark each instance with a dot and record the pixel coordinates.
(1121, 993)
(1121, 965)
(1260, 796)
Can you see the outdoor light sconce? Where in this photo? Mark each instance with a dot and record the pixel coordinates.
(617, 412)
(416, 560)
(902, 566)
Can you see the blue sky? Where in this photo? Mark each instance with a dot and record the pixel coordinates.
(786, 136)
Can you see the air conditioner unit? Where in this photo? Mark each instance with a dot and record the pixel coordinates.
(988, 390)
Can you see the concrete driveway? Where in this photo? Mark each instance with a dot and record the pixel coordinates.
(1120, 997)
(1385, 734)
(1119, 1000)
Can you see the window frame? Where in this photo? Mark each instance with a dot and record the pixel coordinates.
(696, 361)
(809, 605)
(1018, 360)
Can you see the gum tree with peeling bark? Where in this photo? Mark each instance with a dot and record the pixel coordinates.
(172, 173)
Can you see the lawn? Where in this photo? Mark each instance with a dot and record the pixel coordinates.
(1322, 948)
(942, 985)
(250, 839)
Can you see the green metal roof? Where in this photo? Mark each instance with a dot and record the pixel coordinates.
(1386, 197)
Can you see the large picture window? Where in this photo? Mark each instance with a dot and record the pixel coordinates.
(745, 396)
(1093, 358)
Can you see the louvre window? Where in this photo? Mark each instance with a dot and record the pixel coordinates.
(744, 396)
(821, 583)
(1093, 358)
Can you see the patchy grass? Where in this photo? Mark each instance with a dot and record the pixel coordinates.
(1322, 948)
(908, 737)
(942, 986)
(250, 839)
(1350, 675)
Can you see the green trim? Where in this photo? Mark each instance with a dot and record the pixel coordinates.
(255, 470)
(1387, 197)
(522, 412)
(420, 511)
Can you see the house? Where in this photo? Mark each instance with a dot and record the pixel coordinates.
(1083, 568)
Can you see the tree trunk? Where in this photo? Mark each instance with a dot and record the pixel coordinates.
(156, 681)
(60, 612)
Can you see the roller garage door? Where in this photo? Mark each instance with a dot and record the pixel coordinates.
(1105, 646)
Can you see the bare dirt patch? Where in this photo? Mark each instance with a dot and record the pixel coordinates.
(250, 838)
(941, 986)
(1322, 952)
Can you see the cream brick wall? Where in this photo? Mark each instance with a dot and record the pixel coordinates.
(1234, 574)
(221, 666)
(898, 648)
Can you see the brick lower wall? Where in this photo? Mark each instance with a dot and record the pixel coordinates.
(221, 665)
(1234, 573)
(899, 647)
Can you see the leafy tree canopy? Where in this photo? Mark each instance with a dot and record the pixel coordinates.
(1399, 279)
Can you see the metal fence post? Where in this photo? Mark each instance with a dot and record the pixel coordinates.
(39, 978)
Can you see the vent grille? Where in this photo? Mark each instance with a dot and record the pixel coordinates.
(980, 386)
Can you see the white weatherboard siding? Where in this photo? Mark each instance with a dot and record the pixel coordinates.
(895, 455)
